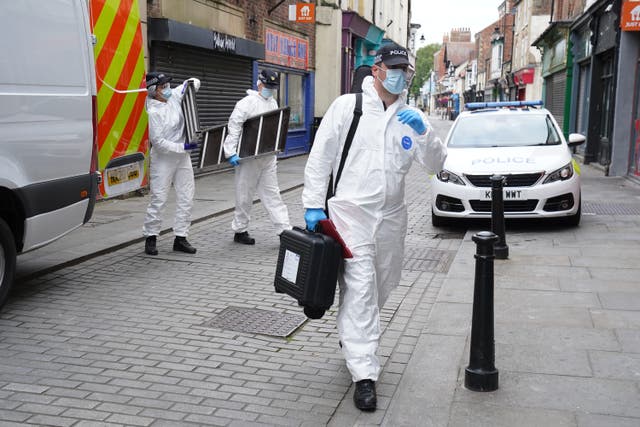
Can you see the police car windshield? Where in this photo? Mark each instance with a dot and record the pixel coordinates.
(484, 129)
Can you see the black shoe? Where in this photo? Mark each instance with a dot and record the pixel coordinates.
(244, 238)
(150, 246)
(365, 395)
(181, 244)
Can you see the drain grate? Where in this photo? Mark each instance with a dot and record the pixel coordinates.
(611, 208)
(256, 321)
(425, 259)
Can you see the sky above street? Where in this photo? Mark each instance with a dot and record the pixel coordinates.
(439, 16)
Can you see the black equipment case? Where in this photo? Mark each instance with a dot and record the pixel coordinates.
(307, 269)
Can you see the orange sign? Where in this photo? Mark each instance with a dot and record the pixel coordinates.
(630, 19)
(305, 12)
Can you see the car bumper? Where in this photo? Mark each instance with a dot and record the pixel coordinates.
(555, 200)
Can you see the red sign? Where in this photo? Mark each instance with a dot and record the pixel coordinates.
(283, 49)
(630, 19)
(305, 12)
(524, 77)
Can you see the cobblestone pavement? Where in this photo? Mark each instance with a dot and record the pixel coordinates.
(124, 338)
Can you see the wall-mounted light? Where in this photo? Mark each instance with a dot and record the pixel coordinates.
(422, 38)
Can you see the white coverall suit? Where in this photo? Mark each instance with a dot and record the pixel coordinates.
(254, 173)
(368, 210)
(170, 162)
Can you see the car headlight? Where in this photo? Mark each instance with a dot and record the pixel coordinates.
(446, 176)
(561, 174)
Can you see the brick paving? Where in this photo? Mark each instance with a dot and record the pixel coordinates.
(123, 339)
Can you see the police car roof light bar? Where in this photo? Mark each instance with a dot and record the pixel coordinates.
(502, 104)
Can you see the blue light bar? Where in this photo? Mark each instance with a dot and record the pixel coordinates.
(501, 104)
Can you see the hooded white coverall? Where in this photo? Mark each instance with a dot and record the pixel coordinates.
(368, 210)
(254, 173)
(170, 163)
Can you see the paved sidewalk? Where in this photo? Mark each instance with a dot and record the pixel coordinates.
(118, 222)
(122, 339)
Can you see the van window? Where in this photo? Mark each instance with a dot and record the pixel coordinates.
(47, 50)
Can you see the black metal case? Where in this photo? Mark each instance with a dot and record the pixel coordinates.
(307, 269)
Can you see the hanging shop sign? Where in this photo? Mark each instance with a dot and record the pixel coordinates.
(630, 19)
(302, 12)
(523, 77)
(284, 49)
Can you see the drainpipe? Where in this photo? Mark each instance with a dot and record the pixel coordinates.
(553, 3)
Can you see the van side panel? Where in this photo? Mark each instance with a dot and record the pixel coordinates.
(43, 229)
(45, 86)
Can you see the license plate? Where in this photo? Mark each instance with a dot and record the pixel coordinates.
(123, 174)
(506, 194)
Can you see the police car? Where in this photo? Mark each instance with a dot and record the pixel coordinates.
(519, 140)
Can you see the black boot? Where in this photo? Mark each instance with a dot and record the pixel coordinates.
(180, 244)
(244, 238)
(150, 246)
(365, 395)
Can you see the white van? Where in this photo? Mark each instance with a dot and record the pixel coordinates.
(48, 154)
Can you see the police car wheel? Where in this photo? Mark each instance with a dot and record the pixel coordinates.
(437, 221)
(7, 260)
(574, 220)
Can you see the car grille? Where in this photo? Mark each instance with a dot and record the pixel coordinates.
(515, 180)
(509, 205)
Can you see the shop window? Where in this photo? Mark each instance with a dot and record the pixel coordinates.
(607, 95)
(291, 93)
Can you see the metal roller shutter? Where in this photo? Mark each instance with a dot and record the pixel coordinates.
(224, 79)
(556, 85)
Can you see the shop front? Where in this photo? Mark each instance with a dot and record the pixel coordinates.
(360, 40)
(581, 50)
(553, 43)
(223, 63)
(625, 157)
(521, 79)
(288, 53)
(595, 37)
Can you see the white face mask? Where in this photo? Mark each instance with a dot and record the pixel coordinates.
(166, 93)
(266, 92)
(395, 81)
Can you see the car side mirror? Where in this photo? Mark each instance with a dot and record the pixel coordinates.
(576, 139)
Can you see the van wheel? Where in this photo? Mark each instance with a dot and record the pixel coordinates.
(7, 260)
(438, 221)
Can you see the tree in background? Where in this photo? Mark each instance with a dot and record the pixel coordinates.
(424, 65)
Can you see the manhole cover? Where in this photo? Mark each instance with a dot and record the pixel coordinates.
(611, 208)
(256, 321)
(425, 259)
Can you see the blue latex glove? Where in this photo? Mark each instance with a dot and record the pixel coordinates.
(234, 160)
(190, 145)
(312, 216)
(412, 118)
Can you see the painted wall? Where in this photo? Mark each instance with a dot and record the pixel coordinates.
(223, 18)
(328, 71)
(624, 99)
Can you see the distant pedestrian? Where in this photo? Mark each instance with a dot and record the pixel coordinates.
(170, 162)
(368, 206)
(255, 173)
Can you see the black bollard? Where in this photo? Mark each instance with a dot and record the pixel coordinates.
(500, 249)
(481, 374)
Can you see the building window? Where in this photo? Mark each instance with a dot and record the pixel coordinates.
(607, 94)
